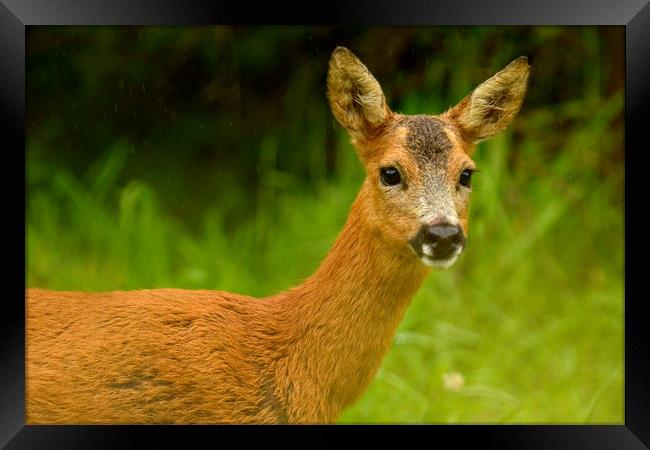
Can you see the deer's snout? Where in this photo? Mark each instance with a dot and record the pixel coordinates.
(443, 239)
(438, 244)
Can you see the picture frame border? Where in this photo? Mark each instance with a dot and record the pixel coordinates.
(17, 15)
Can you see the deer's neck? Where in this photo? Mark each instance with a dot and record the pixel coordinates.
(347, 313)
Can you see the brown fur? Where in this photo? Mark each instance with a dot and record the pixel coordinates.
(302, 356)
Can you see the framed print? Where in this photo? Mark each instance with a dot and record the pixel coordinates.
(417, 217)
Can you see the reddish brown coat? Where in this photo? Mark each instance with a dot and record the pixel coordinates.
(302, 356)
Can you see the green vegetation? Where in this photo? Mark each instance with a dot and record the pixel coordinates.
(234, 177)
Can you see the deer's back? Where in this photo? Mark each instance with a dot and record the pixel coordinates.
(151, 356)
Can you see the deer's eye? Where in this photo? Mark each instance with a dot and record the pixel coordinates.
(390, 176)
(465, 178)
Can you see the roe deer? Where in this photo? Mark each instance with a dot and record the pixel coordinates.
(301, 356)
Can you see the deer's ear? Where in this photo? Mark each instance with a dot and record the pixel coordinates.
(355, 96)
(490, 108)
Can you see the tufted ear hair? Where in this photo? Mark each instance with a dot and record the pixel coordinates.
(356, 98)
(490, 108)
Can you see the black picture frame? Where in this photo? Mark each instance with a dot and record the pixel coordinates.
(16, 15)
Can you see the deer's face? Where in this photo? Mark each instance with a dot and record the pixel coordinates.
(419, 168)
(419, 185)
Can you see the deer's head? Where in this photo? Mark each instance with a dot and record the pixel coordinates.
(419, 168)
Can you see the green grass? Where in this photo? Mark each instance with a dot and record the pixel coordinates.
(531, 316)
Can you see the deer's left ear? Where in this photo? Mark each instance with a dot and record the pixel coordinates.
(355, 96)
(490, 108)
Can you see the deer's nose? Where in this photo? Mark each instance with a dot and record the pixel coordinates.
(442, 239)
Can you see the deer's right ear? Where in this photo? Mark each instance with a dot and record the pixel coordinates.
(490, 108)
(355, 96)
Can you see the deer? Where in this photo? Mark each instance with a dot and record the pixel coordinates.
(173, 356)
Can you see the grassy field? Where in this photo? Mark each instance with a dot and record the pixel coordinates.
(527, 326)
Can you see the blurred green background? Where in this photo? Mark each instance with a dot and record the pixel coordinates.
(207, 158)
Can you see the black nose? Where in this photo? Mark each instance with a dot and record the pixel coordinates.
(443, 239)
